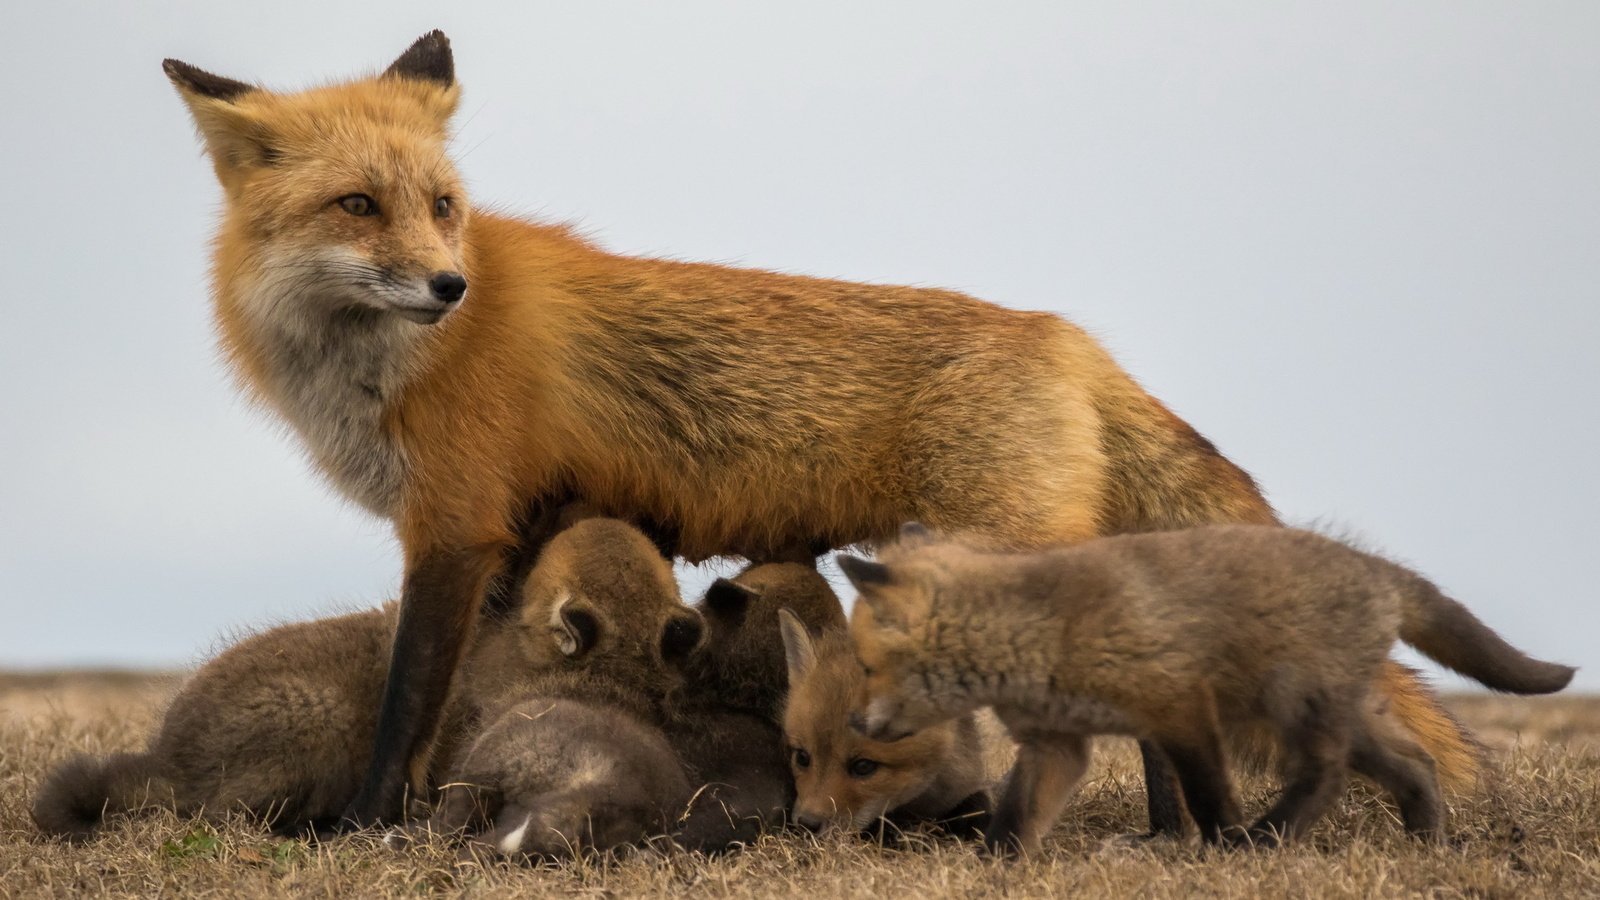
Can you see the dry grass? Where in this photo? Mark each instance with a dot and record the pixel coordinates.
(1536, 833)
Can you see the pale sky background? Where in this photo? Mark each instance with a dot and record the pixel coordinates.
(1357, 244)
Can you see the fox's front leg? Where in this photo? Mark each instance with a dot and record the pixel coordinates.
(1047, 770)
(444, 588)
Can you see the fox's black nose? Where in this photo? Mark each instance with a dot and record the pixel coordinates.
(447, 286)
(809, 823)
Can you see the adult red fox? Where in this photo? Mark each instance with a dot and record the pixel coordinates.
(460, 372)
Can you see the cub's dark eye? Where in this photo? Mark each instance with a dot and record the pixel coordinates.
(802, 759)
(863, 768)
(359, 205)
(441, 208)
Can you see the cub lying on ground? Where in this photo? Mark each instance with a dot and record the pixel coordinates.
(277, 726)
(1171, 637)
(725, 729)
(575, 691)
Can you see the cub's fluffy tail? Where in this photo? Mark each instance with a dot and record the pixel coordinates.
(1451, 635)
(82, 791)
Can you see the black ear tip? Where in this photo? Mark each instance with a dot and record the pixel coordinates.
(198, 81)
(427, 59)
(727, 597)
(863, 571)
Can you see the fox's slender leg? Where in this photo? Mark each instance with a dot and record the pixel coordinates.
(1382, 752)
(1191, 740)
(1164, 799)
(438, 608)
(1047, 769)
(1317, 751)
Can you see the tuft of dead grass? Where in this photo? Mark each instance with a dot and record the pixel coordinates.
(1533, 831)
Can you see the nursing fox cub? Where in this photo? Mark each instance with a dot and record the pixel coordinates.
(1178, 638)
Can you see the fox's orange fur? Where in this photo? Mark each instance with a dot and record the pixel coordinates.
(732, 411)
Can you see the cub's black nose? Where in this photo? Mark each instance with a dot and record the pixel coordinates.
(447, 286)
(809, 823)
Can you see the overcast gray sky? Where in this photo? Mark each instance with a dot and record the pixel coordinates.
(1356, 244)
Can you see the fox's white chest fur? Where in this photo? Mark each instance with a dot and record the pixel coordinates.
(331, 374)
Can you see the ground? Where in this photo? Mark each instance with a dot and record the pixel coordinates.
(1535, 831)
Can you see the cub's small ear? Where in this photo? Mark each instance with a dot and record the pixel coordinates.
(192, 80)
(914, 532)
(576, 629)
(427, 59)
(864, 573)
(681, 637)
(798, 650)
(728, 600)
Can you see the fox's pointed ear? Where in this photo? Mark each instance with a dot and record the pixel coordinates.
(728, 600)
(798, 650)
(235, 136)
(427, 59)
(195, 81)
(864, 573)
(429, 65)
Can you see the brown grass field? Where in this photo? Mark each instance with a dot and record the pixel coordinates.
(1533, 831)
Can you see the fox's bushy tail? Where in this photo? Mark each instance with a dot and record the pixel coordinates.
(81, 792)
(1452, 636)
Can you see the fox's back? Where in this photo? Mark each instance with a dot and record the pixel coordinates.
(782, 397)
(1253, 608)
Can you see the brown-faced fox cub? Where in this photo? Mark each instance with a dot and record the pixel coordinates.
(845, 780)
(1175, 638)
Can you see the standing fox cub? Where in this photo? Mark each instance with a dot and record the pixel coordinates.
(1176, 638)
(459, 372)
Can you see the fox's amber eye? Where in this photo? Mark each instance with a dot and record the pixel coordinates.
(441, 208)
(802, 759)
(862, 768)
(359, 205)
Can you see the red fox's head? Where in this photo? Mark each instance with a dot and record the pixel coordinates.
(842, 779)
(338, 197)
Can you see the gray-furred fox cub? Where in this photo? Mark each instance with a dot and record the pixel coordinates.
(572, 759)
(726, 729)
(1176, 638)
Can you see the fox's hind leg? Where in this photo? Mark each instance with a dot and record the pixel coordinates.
(1316, 748)
(1190, 740)
(1399, 765)
(1047, 769)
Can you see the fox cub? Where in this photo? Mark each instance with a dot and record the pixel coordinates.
(278, 726)
(1173, 638)
(847, 781)
(726, 727)
(573, 759)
